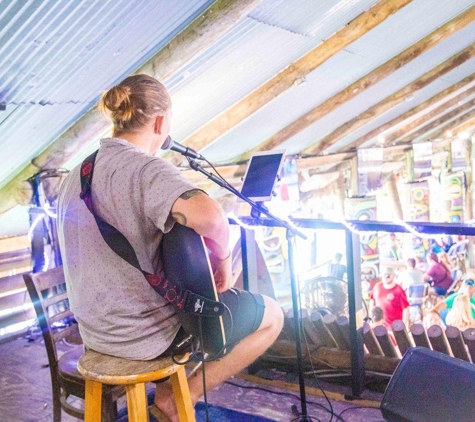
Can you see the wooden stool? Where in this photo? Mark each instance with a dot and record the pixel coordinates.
(99, 369)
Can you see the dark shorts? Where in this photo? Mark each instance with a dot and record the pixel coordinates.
(440, 290)
(247, 310)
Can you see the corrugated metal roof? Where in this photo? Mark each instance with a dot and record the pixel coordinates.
(250, 54)
(376, 47)
(317, 19)
(419, 97)
(58, 56)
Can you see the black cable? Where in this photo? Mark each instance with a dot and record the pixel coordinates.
(217, 172)
(353, 408)
(195, 348)
(332, 414)
(203, 373)
(280, 393)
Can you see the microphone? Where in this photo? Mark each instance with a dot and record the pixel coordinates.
(175, 146)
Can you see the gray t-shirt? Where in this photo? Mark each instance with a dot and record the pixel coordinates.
(118, 311)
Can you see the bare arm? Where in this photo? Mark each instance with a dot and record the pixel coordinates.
(205, 216)
(440, 305)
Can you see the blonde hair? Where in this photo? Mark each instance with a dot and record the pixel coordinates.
(460, 315)
(444, 259)
(134, 102)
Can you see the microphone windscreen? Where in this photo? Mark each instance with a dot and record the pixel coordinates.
(168, 143)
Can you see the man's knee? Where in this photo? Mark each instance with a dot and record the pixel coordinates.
(273, 315)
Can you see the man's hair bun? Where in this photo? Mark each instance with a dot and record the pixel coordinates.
(133, 102)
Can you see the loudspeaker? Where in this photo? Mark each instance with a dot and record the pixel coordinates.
(429, 386)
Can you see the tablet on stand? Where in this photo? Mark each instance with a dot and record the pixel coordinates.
(261, 177)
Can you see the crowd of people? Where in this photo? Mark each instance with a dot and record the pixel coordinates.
(430, 294)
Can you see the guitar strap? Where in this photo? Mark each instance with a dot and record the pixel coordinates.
(184, 300)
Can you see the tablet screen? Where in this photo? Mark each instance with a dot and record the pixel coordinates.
(261, 175)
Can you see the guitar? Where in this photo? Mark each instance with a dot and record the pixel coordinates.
(186, 262)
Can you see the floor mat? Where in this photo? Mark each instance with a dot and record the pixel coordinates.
(216, 414)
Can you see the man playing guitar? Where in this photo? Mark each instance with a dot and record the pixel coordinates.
(143, 196)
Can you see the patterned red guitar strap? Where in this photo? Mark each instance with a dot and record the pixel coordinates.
(172, 292)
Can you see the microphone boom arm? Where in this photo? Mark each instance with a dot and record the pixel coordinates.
(255, 206)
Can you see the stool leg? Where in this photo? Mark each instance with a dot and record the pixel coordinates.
(137, 408)
(93, 401)
(181, 392)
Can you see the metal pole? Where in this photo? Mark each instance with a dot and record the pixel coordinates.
(297, 326)
(244, 257)
(356, 346)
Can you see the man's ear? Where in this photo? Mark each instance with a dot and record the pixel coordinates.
(158, 126)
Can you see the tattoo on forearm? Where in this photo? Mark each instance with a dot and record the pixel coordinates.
(179, 218)
(189, 194)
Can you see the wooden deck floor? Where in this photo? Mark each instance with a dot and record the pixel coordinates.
(25, 391)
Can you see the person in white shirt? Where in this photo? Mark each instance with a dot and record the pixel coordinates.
(412, 276)
(410, 279)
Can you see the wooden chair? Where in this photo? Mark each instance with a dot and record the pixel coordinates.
(99, 369)
(48, 293)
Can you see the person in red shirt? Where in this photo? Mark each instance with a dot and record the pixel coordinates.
(391, 298)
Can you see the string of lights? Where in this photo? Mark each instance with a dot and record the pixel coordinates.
(351, 227)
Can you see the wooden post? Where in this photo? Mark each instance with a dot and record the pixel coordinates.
(469, 338)
(311, 332)
(332, 326)
(354, 187)
(410, 165)
(323, 333)
(391, 186)
(343, 326)
(385, 342)
(370, 341)
(402, 339)
(341, 193)
(420, 336)
(454, 337)
(438, 340)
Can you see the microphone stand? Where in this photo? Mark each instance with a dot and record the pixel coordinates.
(257, 210)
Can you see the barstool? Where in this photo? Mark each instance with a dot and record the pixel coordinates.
(99, 369)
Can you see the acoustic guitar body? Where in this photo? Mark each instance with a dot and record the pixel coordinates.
(186, 262)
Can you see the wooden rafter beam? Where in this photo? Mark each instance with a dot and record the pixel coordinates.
(464, 126)
(437, 122)
(451, 125)
(219, 18)
(443, 108)
(296, 71)
(391, 101)
(368, 80)
(412, 112)
(236, 171)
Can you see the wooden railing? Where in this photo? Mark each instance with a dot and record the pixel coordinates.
(328, 343)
